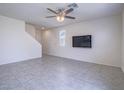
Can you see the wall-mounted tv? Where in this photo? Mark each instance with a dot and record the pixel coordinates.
(82, 41)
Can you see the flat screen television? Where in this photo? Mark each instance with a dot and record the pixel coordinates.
(82, 41)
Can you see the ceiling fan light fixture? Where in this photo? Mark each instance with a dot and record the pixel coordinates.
(62, 13)
(60, 18)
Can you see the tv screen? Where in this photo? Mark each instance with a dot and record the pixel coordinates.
(82, 41)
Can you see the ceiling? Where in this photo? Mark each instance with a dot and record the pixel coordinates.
(35, 13)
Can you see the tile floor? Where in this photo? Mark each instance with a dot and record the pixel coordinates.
(51, 72)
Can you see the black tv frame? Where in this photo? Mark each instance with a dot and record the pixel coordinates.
(82, 46)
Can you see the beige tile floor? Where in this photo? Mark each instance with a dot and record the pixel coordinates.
(51, 72)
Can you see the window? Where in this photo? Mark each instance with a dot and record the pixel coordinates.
(62, 38)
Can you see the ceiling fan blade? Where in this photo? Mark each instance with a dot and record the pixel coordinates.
(50, 16)
(70, 17)
(69, 10)
(52, 11)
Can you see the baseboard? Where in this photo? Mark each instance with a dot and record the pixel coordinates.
(9, 61)
(122, 69)
(81, 60)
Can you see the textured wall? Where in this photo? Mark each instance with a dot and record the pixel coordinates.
(15, 43)
(106, 41)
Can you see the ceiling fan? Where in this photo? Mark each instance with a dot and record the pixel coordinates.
(61, 14)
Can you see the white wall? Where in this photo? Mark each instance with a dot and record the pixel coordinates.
(106, 41)
(122, 65)
(15, 43)
(34, 32)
